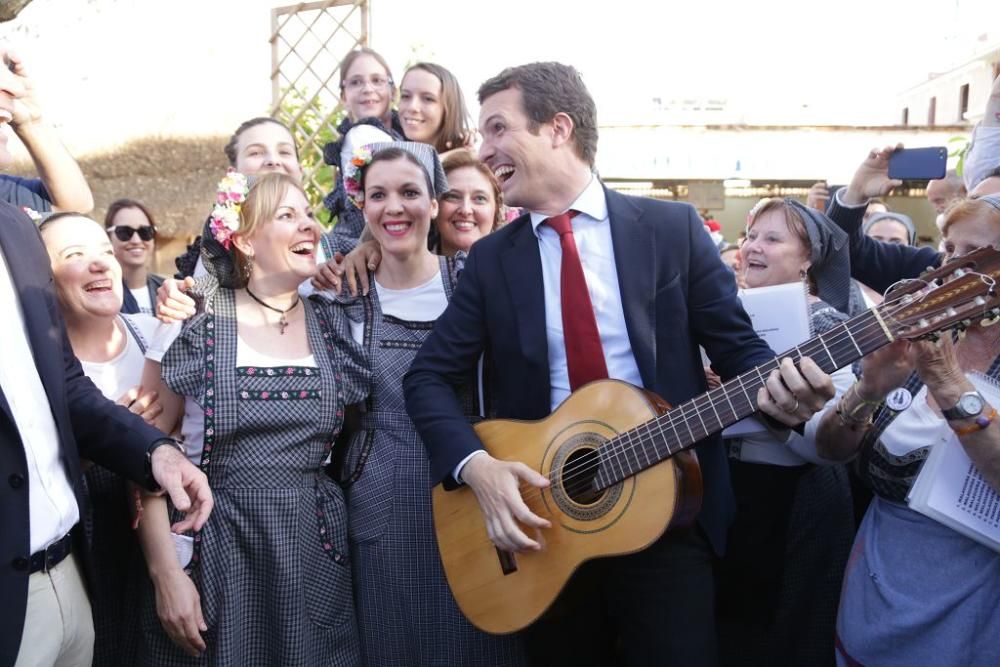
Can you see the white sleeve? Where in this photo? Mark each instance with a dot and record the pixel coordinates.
(983, 157)
(360, 135)
(805, 445)
(163, 337)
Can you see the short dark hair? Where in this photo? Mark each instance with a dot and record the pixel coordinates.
(391, 155)
(246, 125)
(118, 204)
(547, 89)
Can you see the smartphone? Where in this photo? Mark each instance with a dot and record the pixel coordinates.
(918, 164)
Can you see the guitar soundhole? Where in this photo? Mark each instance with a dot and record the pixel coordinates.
(578, 473)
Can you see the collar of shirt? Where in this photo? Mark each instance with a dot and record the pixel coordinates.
(591, 203)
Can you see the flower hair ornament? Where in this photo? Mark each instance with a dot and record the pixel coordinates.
(229, 197)
(361, 158)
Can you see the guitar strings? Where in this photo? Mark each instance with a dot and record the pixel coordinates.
(682, 414)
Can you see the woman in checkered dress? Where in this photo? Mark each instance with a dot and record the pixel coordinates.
(406, 613)
(268, 374)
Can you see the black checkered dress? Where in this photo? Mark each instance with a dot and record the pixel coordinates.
(406, 613)
(272, 563)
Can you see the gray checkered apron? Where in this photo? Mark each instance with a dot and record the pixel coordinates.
(271, 563)
(406, 613)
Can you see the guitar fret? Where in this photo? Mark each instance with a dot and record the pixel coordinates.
(855, 343)
(711, 403)
(833, 362)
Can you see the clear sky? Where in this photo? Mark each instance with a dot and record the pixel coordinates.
(114, 69)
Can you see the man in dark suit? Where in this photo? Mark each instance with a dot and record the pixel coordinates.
(657, 289)
(51, 414)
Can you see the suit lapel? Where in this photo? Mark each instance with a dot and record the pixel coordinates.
(522, 268)
(29, 271)
(633, 238)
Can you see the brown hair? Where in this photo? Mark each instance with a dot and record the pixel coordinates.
(234, 140)
(261, 204)
(391, 155)
(348, 61)
(546, 90)
(465, 157)
(967, 209)
(118, 204)
(456, 124)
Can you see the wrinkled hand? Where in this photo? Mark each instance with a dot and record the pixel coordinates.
(178, 606)
(871, 178)
(885, 369)
(142, 402)
(818, 196)
(495, 484)
(793, 395)
(172, 304)
(937, 363)
(186, 486)
(26, 109)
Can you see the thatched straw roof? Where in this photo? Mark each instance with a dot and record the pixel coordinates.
(174, 177)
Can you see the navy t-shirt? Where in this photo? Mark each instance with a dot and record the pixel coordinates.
(28, 192)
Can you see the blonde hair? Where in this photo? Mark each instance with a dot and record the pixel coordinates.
(265, 196)
(965, 209)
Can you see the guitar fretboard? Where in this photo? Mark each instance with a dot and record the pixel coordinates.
(680, 428)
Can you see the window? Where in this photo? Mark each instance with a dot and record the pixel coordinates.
(963, 101)
(931, 111)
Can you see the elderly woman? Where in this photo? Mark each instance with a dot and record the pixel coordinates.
(780, 578)
(110, 347)
(916, 591)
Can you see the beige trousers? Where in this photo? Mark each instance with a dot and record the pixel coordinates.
(58, 627)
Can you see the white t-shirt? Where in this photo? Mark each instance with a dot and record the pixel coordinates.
(141, 296)
(117, 376)
(423, 303)
(193, 423)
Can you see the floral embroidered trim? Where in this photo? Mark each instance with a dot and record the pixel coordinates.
(277, 371)
(286, 395)
(229, 197)
(361, 158)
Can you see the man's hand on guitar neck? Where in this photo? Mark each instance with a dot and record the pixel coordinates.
(496, 485)
(794, 395)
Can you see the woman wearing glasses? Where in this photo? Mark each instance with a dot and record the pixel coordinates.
(132, 231)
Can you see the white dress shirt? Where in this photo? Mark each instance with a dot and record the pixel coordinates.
(52, 508)
(592, 233)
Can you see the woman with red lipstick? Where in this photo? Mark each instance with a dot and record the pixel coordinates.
(262, 376)
(406, 613)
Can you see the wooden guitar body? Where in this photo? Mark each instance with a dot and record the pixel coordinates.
(500, 592)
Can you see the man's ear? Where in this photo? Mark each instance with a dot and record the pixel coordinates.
(562, 129)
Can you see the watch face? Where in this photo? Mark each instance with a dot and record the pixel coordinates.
(971, 404)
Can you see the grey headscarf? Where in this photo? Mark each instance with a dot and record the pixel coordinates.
(911, 229)
(425, 155)
(829, 256)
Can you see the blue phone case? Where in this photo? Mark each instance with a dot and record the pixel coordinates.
(918, 163)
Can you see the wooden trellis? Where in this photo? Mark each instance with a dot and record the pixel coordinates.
(308, 41)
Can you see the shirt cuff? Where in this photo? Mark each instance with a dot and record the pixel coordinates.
(841, 204)
(457, 472)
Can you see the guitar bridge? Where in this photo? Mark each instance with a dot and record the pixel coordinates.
(507, 561)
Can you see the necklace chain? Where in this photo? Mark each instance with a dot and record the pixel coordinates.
(282, 321)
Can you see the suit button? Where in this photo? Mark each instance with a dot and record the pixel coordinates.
(15, 481)
(19, 564)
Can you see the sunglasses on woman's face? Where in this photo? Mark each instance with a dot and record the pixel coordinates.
(123, 233)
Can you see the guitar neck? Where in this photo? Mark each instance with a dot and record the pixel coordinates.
(688, 423)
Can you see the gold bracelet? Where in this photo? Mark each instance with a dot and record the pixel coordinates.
(850, 420)
(864, 403)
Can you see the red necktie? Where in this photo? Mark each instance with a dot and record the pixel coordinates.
(584, 354)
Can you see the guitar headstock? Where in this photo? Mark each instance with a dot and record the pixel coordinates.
(957, 295)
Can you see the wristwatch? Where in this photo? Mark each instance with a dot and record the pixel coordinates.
(970, 404)
(151, 482)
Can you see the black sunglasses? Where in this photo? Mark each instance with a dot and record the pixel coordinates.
(124, 233)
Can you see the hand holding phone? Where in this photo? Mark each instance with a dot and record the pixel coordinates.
(918, 164)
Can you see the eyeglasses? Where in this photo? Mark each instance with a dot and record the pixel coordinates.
(123, 232)
(358, 82)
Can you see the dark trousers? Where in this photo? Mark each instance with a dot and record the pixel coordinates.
(654, 607)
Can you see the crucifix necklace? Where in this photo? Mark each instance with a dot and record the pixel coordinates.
(282, 321)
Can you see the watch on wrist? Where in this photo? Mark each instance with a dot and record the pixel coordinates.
(151, 482)
(970, 404)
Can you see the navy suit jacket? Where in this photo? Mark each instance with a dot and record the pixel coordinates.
(676, 295)
(88, 424)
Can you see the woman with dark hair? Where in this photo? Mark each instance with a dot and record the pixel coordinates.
(432, 108)
(261, 377)
(132, 231)
(780, 578)
(406, 613)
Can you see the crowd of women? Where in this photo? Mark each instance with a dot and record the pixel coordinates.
(287, 392)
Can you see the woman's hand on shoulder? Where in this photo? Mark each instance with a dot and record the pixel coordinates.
(172, 304)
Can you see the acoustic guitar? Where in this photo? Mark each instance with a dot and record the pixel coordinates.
(619, 458)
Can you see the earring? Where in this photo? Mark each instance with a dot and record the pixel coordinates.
(248, 268)
(802, 274)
